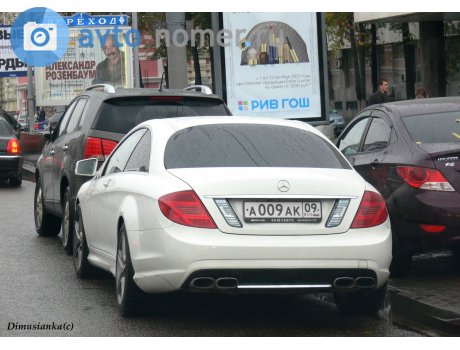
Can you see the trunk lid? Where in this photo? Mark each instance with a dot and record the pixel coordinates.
(242, 187)
(446, 158)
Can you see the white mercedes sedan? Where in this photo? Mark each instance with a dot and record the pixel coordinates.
(232, 204)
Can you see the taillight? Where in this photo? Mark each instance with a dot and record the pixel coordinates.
(186, 208)
(432, 228)
(98, 148)
(371, 212)
(13, 147)
(424, 178)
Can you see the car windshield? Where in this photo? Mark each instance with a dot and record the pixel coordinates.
(250, 145)
(433, 128)
(122, 114)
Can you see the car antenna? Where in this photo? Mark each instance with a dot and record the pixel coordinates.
(161, 83)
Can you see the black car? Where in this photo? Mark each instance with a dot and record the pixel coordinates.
(10, 154)
(410, 151)
(92, 125)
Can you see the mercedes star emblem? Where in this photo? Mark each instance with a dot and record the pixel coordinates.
(283, 186)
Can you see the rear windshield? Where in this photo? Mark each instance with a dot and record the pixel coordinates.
(122, 114)
(434, 128)
(249, 145)
(5, 128)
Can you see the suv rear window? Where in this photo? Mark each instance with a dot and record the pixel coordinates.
(250, 145)
(433, 128)
(5, 128)
(122, 114)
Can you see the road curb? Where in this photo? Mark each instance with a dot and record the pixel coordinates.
(427, 319)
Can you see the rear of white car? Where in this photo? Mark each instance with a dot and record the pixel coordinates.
(244, 205)
(287, 224)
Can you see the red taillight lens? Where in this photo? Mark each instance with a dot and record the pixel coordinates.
(371, 212)
(186, 208)
(98, 148)
(432, 228)
(424, 178)
(13, 147)
(36, 126)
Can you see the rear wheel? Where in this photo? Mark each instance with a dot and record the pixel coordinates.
(401, 264)
(46, 224)
(67, 222)
(16, 181)
(80, 248)
(128, 293)
(367, 302)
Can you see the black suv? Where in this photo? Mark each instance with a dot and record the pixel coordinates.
(92, 125)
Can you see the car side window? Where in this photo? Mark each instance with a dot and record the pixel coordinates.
(64, 120)
(76, 114)
(120, 157)
(140, 158)
(349, 144)
(378, 136)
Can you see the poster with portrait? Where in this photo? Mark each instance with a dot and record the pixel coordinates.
(92, 58)
(272, 65)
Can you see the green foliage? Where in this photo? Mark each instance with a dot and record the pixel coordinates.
(452, 33)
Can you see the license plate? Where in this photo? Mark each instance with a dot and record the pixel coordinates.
(282, 212)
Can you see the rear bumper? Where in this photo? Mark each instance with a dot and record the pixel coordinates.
(165, 260)
(10, 166)
(409, 208)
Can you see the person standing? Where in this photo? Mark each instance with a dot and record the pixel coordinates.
(381, 95)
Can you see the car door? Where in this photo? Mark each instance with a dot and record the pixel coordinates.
(61, 149)
(51, 167)
(371, 160)
(106, 194)
(350, 142)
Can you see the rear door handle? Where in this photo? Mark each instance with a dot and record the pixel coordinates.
(52, 152)
(65, 148)
(375, 163)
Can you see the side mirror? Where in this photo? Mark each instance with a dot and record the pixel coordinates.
(86, 167)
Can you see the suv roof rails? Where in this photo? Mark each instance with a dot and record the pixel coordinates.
(102, 87)
(199, 88)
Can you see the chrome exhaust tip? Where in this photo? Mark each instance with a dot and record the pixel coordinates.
(366, 282)
(344, 282)
(203, 283)
(227, 283)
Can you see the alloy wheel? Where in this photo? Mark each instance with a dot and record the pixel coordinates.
(78, 250)
(39, 207)
(121, 268)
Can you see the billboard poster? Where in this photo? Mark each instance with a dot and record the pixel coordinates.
(272, 64)
(10, 64)
(94, 56)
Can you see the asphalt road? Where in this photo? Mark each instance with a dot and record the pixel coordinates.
(39, 288)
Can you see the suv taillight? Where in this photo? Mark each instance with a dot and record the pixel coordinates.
(98, 148)
(13, 147)
(371, 212)
(186, 208)
(424, 178)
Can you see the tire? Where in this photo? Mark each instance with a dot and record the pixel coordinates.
(456, 256)
(366, 302)
(128, 293)
(401, 264)
(46, 224)
(67, 222)
(16, 181)
(83, 269)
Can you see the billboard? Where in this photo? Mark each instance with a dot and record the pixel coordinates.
(10, 64)
(273, 65)
(95, 55)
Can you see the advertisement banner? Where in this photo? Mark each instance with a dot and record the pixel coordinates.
(95, 56)
(10, 64)
(272, 64)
